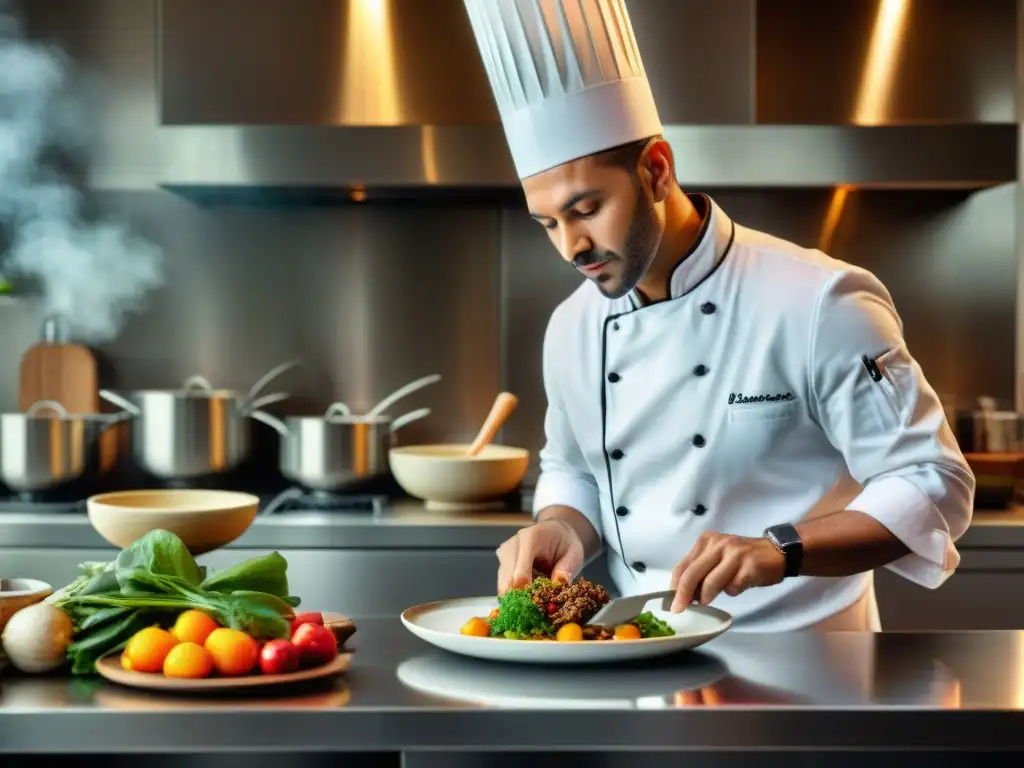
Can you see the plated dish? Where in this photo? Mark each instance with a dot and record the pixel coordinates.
(553, 610)
(545, 624)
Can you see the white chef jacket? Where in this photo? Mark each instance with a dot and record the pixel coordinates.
(773, 385)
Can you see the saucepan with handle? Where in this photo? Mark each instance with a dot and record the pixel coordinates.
(46, 447)
(339, 449)
(195, 431)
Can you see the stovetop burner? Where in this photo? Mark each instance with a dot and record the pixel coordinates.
(300, 499)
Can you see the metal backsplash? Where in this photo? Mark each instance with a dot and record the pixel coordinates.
(374, 296)
(371, 296)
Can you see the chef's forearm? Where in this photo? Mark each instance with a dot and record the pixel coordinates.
(846, 543)
(578, 522)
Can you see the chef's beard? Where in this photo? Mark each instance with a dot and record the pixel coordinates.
(638, 252)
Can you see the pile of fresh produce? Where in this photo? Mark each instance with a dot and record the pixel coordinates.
(165, 614)
(196, 647)
(552, 610)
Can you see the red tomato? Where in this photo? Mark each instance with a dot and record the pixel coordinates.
(317, 645)
(278, 657)
(310, 617)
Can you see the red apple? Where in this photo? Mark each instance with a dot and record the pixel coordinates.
(278, 657)
(317, 645)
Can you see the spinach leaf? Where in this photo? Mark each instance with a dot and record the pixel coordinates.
(159, 552)
(268, 573)
(257, 613)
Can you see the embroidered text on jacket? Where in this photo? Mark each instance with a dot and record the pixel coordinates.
(739, 399)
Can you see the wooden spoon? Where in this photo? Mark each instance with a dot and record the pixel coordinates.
(503, 406)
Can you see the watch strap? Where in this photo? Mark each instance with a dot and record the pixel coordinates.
(787, 540)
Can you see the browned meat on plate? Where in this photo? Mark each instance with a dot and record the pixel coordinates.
(573, 603)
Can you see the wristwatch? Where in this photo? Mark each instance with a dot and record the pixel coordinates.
(788, 542)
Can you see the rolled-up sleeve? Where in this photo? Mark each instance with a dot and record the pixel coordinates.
(565, 479)
(876, 407)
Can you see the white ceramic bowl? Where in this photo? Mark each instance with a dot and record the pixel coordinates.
(16, 594)
(203, 520)
(445, 478)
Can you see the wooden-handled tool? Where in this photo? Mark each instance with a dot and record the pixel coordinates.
(503, 406)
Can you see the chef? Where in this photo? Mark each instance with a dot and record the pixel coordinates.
(730, 415)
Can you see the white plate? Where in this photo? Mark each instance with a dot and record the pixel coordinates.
(439, 624)
(489, 684)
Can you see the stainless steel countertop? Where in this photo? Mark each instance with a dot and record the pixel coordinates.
(741, 691)
(403, 524)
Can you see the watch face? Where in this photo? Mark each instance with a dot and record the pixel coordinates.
(784, 535)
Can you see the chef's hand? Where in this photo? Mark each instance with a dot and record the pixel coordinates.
(720, 563)
(550, 546)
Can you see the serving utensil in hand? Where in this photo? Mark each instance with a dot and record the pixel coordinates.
(503, 406)
(624, 609)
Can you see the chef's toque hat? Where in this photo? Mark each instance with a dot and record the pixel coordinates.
(566, 75)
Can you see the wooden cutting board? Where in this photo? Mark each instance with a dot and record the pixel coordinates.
(63, 372)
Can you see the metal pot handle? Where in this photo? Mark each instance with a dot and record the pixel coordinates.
(271, 421)
(120, 402)
(52, 405)
(197, 382)
(272, 374)
(337, 411)
(401, 392)
(407, 418)
(259, 402)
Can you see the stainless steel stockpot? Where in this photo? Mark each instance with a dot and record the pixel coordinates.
(195, 431)
(41, 451)
(336, 450)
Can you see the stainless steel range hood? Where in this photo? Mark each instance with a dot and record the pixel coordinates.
(362, 97)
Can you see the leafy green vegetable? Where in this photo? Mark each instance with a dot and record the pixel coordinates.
(262, 574)
(156, 578)
(518, 616)
(158, 552)
(651, 626)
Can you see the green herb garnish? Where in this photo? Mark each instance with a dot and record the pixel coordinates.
(518, 616)
(651, 626)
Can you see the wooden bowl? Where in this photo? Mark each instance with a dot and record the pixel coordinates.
(16, 594)
(446, 479)
(203, 520)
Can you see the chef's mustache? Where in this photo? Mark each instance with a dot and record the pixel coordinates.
(593, 256)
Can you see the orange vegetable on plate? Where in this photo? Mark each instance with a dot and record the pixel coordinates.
(569, 633)
(147, 649)
(627, 632)
(193, 627)
(189, 661)
(476, 627)
(234, 653)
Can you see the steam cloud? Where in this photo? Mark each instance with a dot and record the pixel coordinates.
(91, 272)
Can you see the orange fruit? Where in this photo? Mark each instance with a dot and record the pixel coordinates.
(627, 632)
(569, 633)
(188, 660)
(476, 627)
(234, 653)
(147, 649)
(193, 627)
